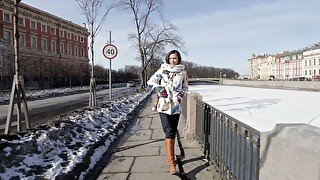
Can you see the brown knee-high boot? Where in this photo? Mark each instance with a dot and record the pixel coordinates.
(169, 144)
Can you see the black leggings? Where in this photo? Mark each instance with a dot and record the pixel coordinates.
(169, 124)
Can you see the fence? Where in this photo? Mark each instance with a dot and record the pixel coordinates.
(230, 145)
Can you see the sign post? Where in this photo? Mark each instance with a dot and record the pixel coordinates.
(110, 51)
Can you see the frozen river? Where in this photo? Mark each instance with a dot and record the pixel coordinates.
(263, 108)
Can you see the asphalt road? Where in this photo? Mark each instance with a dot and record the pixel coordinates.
(44, 109)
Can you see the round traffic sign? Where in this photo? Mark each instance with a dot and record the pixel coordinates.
(110, 51)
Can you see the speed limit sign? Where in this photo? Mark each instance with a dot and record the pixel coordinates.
(110, 51)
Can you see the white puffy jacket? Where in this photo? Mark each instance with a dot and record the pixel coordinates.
(171, 84)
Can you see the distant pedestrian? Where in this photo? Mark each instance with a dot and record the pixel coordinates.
(170, 82)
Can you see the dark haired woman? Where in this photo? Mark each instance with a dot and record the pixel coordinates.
(170, 81)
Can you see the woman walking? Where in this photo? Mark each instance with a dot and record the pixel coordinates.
(170, 82)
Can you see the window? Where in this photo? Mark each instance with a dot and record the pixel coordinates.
(21, 21)
(33, 25)
(7, 36)
(76, 51)
(53, 46)
(43, 28)
(81, 52)
(62, 48)
(314, 62)
(69, 35)
(310, 72)
(305, 72)
(33, 41)
(314, 72)
(44, 44)
(61, 33)
(22, 40)
(306, 63)
(310, 62)
(69, 49)
(76, 37)
(6, 17)
(53, 31)
(81, 39)
(319, 71)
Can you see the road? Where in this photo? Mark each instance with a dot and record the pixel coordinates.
(41, 111)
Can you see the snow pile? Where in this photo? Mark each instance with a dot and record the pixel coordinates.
(71, 146)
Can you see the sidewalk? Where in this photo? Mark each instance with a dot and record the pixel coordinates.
(141, 153)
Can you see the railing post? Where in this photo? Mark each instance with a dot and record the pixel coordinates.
(190, 129)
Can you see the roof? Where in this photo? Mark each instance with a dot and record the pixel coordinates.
(39, 11)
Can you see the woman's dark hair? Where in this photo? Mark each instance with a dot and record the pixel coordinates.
(173, 52)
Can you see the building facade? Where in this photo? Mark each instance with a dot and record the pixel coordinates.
(294, 67)
(311, 62)
(302, 64)
(262, 66)
(51, 42)
(281, 62)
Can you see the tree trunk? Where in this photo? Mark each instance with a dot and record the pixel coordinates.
(70, 81)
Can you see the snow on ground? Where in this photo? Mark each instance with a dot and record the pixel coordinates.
(56, 150)
(263, 108)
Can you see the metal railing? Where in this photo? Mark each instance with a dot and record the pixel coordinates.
(230, 145)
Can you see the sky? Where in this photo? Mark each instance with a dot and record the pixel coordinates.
(263, 108)
(218, 33)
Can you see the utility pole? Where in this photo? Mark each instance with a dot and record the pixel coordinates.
(17, 91)
(110, 88)
(110, 51)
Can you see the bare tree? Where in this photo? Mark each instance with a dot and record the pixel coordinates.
(155, 39)
(148, 37)
(95, 14)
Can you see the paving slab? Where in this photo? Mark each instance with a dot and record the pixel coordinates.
(141, 135)
(139, 151)
(115, 176)
(156, 122)
(195, 165)
(142, 144)
(150, 164)
(152, 176)
(118, 165)
(145, 122)
(158, 134)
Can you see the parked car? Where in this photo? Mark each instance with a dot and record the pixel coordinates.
(316, 77)
(299, 79)
(131, 84)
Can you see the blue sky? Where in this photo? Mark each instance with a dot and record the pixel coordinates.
(218, 33)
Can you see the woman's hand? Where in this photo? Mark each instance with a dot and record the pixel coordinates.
(158, 88)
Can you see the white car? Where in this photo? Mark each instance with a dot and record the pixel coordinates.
(131, 84)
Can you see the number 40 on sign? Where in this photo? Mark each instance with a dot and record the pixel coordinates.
(110, 51)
